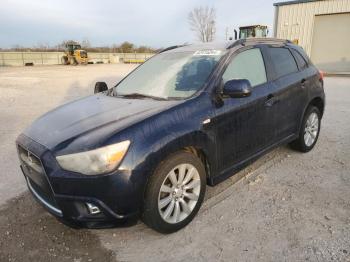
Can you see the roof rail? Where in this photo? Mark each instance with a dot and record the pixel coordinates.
(267, 40)
(236, 43)
(170, 48)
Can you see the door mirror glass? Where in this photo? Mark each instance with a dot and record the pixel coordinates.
(237, 88)
(100, 87)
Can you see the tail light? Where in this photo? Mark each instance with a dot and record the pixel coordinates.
(321, 74)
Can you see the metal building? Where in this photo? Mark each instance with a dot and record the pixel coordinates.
(321, 27)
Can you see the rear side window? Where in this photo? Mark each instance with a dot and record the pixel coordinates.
(248, 65)
(283, 61)
(300, 60)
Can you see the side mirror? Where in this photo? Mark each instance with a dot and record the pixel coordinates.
(237, 88)
(100, 87)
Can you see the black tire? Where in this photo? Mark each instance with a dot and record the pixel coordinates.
(73, 61)
(151, 215)
(64, 60)
(299, 144)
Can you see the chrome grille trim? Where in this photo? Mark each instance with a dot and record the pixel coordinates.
(43, 201)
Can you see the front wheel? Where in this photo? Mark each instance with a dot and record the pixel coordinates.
(73, 61)
(175, 193)
(64, 60)
(309, 131)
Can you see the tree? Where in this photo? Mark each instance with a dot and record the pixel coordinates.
(85, 43)
(202, 22)
(144, 49)
(127, 47)
(62, 45)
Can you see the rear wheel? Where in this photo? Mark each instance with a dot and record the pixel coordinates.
(73, 61)
(64, 60)
(175, 193)
(309, 130)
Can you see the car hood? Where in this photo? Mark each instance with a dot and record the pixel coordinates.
(88, 114)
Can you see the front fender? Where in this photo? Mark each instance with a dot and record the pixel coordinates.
(145, 157)
(159, 136)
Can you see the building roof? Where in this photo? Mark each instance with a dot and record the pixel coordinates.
(294, 2)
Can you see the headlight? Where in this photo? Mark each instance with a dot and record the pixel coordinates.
(94, 162)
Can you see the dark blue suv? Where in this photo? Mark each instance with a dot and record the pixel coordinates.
(190, 116)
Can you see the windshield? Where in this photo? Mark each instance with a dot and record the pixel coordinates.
(170, 75)
(246, 33)
(261, 32)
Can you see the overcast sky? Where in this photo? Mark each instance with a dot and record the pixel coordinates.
(155, 23)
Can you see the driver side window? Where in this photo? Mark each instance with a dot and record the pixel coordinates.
(248, 65)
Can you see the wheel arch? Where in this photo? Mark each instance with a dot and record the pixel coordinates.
(197, 143)
(202, 155)
(317, 102)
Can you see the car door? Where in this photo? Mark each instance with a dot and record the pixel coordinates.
(308, 75)
(287, 91)
(243, 125)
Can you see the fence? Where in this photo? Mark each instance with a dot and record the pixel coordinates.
(54, 58)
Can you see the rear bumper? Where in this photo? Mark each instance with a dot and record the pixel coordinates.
(66, 194)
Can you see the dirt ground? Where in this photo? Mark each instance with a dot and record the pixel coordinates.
(287, 206)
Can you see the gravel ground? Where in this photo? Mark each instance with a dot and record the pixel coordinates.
(287, 206)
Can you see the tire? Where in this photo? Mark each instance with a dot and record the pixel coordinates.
(73, 61)
(64, 60)
(302, 143)
(185, 201)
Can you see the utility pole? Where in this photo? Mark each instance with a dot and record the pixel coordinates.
(226, 33)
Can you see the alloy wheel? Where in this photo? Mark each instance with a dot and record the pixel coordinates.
(311, 129)
(179, 193)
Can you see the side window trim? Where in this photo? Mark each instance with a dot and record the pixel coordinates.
(296, 62)
(275, 75)
(269, 69)
(294, 52)
(238, 51)
(295, 59)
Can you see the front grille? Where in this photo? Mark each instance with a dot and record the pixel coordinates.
(43, 198)
(36, 178)
(44, 195)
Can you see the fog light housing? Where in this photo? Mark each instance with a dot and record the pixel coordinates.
(93, 210)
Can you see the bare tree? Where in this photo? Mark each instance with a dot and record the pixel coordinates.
(202, 22)
(86, 43)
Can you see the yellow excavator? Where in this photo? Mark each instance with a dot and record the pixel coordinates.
(252, 31)
(74, 55)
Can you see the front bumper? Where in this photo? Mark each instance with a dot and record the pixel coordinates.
(65, 194)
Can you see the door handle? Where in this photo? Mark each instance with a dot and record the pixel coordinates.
(270, 100)
(303, 82)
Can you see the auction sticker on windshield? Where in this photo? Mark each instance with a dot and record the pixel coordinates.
(207, 52)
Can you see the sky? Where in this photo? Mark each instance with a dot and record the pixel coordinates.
(155, 23)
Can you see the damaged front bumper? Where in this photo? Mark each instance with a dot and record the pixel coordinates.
(75, 199)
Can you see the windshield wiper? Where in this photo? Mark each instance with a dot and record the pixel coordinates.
(138, 95)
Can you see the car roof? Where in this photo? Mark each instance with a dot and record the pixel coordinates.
(224, 45)
(198, 46)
